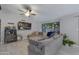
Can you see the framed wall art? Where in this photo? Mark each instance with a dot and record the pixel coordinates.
(24, 25)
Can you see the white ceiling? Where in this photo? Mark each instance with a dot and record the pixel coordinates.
(46, 11)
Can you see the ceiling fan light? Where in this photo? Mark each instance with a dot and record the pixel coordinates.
(27, 14)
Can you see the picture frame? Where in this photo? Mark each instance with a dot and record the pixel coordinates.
(24, 25)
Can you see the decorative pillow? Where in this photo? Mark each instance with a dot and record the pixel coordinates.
(50, 34)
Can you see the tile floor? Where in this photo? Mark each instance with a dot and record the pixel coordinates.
(20, 48)
(14, 48)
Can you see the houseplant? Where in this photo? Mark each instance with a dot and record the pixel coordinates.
(67, 41)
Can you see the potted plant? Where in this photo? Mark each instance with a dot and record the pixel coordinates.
(67, 41)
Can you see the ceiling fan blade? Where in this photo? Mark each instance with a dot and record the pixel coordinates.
(33, 14)
(20, 10)
(21, 14)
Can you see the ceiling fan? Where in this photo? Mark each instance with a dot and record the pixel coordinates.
(28, 11)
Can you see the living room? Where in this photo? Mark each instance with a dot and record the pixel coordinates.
(35, 20)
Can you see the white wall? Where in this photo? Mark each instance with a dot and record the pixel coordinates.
(14, 18)
(69, 25)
